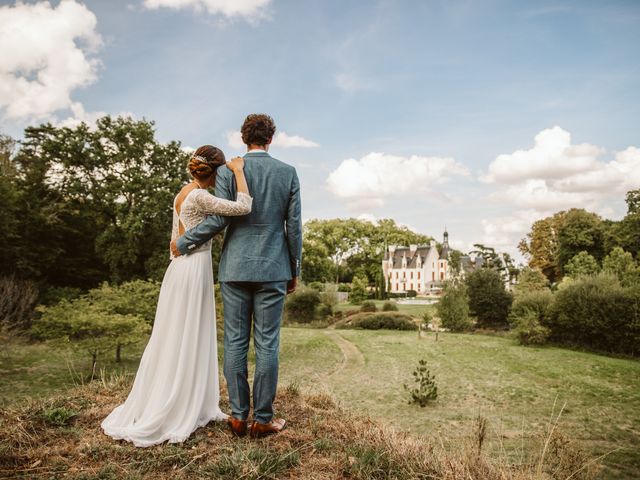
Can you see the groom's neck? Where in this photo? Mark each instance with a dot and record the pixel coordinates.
(258, 147)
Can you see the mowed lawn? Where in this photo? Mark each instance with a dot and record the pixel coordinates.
(514, 387)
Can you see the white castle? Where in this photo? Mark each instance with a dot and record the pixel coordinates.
(418, 268)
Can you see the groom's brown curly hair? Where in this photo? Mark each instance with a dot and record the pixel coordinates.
(258, 129)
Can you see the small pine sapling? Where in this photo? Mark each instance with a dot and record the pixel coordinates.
(426, 389)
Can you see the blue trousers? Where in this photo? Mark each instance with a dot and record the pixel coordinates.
(263, 303)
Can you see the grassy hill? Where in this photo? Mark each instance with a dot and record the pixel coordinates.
(489, 389)
(60, 437)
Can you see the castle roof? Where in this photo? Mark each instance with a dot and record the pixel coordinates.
(421, 252)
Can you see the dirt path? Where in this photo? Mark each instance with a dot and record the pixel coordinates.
(353, 358)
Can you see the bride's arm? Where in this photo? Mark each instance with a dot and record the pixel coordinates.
(213, 205)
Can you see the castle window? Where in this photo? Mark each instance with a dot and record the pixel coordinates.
(433, 275)
(396, 275)
(441, 275)
(411, 274)
(418, 275)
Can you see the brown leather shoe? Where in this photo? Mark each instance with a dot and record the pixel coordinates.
(238, 427)
(261, 429)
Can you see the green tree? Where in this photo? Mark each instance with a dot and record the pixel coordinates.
(580, 231)
(540, 245)
(633, 201)
(582, 264)
(488, 299)
(103, 192)
(316, 264)
(453, 307)
(622, 265)
(358, 290)
(626, 232)
(9, 213)
(530, 280)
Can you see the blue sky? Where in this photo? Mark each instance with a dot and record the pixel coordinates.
(410, 103)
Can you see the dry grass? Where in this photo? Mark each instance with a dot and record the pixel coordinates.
(61, 437)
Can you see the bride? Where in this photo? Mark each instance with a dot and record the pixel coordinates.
(176, 388)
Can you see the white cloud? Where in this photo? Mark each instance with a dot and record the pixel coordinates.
(552, 156)
(368, 217)
(46, 55)
(234, 139)
(376, 176)
(281, 139)
(556, 175)
(504, 233)
(79, 115)
(249, 9)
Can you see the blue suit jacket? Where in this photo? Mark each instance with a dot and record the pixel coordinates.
(266, 245)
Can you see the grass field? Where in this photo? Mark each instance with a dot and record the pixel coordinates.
(514, 387)
(413, 310)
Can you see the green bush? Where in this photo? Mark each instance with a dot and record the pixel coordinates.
(358, 290)
(537, 301)
(529, 330)
(301, 305)
(90, 325)
(138, 297)
(344, 287)
(389, 307)
(317, 286)
(377, 321)
(368, 306)
(453, 307)
(488, 299)
(412, 293)
(596, 312)
(323, 311)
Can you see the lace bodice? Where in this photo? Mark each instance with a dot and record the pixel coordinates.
(199, 203)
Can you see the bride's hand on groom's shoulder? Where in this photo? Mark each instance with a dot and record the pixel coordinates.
(236, 164)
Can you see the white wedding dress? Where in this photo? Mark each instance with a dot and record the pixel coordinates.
(176, 388)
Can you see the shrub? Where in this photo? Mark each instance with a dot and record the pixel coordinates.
(344, 287)
(301, 305)
(358, 290)
(529, 330)
(426, 389)
(488, 299)
(317, 286)
(323, 311)
(412, 293)
(138, 297)
(598, 313)
(453, 307)
(330, 296)
(17, 301)
(377, 321)
(368, 306)
(536, 301)
(86, 325)
(389, 307)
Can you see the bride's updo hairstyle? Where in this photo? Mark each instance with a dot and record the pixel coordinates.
(205, 161)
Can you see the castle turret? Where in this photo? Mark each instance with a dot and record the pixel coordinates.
(445, 245)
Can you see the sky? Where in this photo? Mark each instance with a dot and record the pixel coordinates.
(478, 116)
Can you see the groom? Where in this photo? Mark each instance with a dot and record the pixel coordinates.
(260, 264)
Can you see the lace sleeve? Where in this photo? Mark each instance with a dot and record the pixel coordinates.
(212, 205)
